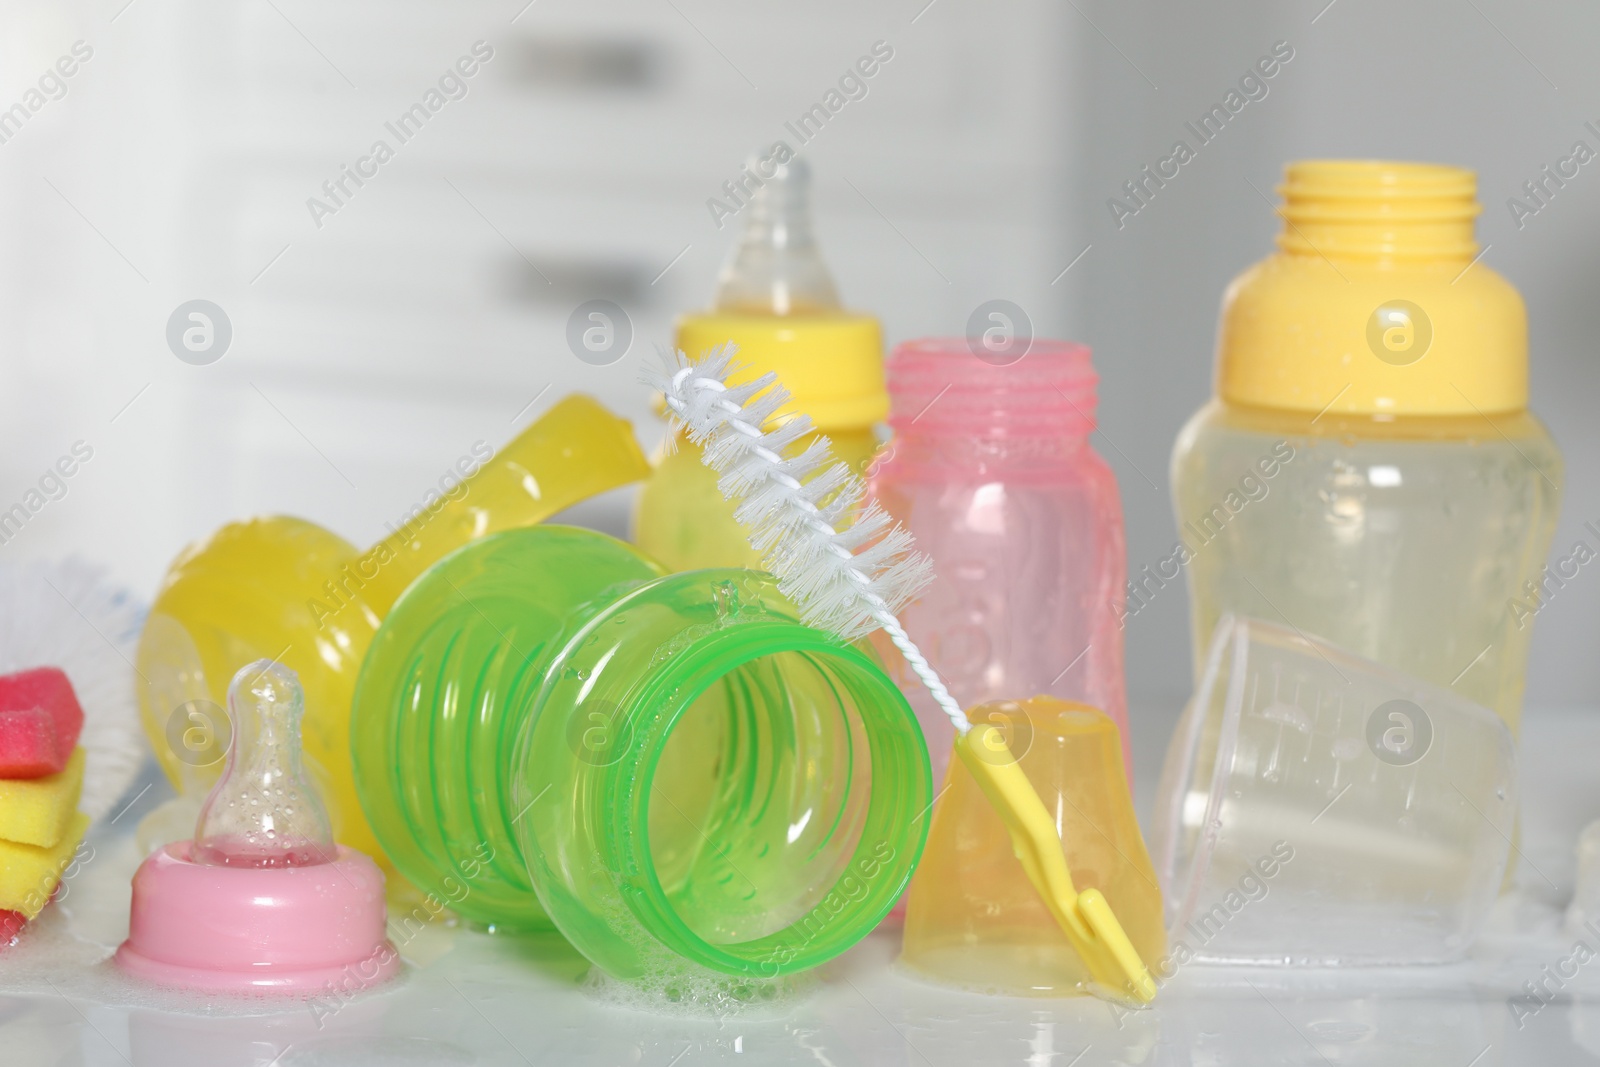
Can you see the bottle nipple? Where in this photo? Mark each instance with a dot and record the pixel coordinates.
(776, 269)
(263, 811)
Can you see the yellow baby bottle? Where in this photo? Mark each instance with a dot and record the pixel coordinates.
(285, 589)
(775, 300)
(1369, 472)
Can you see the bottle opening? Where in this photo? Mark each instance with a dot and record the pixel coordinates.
(758, 809)
(782, 811)
(1378, 209)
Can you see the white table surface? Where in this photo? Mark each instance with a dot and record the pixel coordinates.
(475, 998)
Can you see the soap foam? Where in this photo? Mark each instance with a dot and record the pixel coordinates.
(46, 956)
(690, 994)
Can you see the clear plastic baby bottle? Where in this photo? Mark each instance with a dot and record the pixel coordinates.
(777, 302)
(990, 467)
(1368, 472)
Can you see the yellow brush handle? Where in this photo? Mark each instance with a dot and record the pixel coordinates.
(1086, 918)
(1135, 978)
(1033, 832)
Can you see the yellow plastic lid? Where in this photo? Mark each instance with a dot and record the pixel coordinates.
(831, 362)
(1375, 303)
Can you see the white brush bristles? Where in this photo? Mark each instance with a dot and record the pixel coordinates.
(842, 562)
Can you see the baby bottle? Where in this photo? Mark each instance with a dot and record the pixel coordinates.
(261, 900)
(670, 769)
(1368, 471)
(991, 469)
(284, 589)
(776, 301)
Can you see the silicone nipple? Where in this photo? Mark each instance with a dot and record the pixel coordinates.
(775, 269)
(263, 812)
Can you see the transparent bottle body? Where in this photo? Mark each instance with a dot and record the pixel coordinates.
(1410, 541)
(1030, 559)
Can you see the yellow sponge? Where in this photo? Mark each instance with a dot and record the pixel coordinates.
(37, 811)
(28, 873)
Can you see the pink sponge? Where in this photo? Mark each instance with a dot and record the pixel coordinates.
(39, 723)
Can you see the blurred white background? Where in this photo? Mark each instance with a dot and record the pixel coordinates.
(429, 312)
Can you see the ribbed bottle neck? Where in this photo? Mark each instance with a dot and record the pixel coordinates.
(1378, 210)
(940, 388)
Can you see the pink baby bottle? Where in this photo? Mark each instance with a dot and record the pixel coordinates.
(991, 469)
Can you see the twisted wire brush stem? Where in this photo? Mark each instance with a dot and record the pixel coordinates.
(847, 565)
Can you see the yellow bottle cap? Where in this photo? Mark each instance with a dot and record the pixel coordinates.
(1375, 303)
(831, 362)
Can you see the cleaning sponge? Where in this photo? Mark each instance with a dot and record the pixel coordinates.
(37, 811)
(29, 874)
(39, 722)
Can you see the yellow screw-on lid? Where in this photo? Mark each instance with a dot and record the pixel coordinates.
(831, 362)
(1375, 303)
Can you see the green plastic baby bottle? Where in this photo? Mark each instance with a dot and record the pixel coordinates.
(672, 770)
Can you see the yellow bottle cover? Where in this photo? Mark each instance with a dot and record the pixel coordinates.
(1375, 303)
(285, 589)
(683, 522)
(972, 921)
(830, 361)
(835, 359)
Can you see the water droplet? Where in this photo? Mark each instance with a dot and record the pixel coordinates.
(1287, 714)
(725, 596)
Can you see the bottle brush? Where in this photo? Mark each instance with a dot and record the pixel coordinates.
(850, 568)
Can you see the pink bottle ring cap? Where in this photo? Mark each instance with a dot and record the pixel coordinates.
(253, 930)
